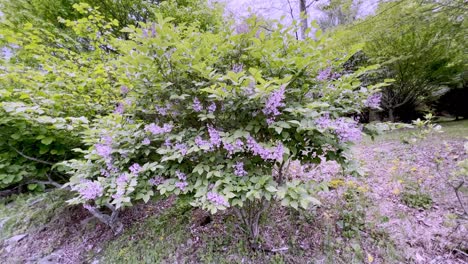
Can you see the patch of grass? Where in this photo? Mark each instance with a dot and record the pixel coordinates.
(451, 129)
(159, 239)
(25, 212)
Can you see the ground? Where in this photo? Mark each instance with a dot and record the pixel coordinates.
(402, 209)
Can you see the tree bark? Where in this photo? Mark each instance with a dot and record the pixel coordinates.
(303, 14)
(391, 116)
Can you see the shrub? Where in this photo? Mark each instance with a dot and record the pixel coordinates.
(225, 119)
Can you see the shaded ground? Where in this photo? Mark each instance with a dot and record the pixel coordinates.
(401, 211)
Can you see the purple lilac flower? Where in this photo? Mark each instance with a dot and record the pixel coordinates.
(373, 101)
(230, 148)
(153, 30)
(242, 28)
(124, 89)
(146, 141)
(238, 67)
(167, 142)
(155, 181)
(119, 193)
(107, 140)
(182, 148)
(156, 130)
(182, 176)
(197, 106)
(215, 138)
(347, 130)
(212, 108)
(203, 143)
(123, 178)
(181, 185)
(119, 109)
(239, 144)
(161, 110)
(91, 190)
(135, 168)
(324, 74)
(217, 199)
(239, 169)
(274, 101)
(104, 173)
(104, 151)
(323, 122)
(264, 153)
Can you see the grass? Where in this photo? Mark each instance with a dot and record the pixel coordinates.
(451, 129)
(26, 212)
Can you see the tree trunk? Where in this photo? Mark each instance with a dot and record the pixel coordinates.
(303, 14)
(391, 117)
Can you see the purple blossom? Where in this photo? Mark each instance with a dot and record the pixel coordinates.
(122, 179)
(239, 144)
(212, 108)
(242, 28)
(104, 151)
(155, 181)
(146, 141)
(90, 190)
(161, 110)
(167, 142)
(182, 176)
(182, 148)
(124, 89)
(156, 130)
(119, 109)
(104, 173)
(230, 148)
(197, 106)
(238, 67)
(264, 153)
(346, 129)
(107, 140)
(324, 75)
(135, 168)
(373, 101)
(201, 143)
(215, 138)
(239, 169)
(153, 30)
(274, 101)
(217, 199)
(181, 185)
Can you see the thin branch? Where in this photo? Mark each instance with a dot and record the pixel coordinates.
(29, 157)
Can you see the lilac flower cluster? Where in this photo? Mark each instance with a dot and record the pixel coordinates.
(239, 169)
(146, 141)
(324, 74)
(182, 147)
(156, 130)
(135, 168)
(346, 129)
(119, 109)
(373, 101)
(215, 138)
(264, 153)
(212, 108)
(274, 101)
(90, 190)
(237, 67)
(155, 181)
(217, 199)
(104, 150)
(182, 176)
(203, 143)
(181, 185)
(197, 106)
(122, 179)
(124, 90)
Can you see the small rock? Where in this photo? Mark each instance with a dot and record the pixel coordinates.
(15, 239)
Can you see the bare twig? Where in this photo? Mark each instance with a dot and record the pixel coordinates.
(29, 157)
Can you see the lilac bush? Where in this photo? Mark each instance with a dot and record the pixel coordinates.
(231, 124)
